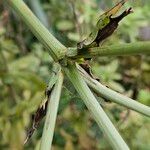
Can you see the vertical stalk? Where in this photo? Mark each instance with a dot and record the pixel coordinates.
(51, 114)
(98, 113)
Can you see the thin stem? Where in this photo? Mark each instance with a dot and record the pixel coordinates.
(54, 47)
(114, 96)
(51, 115)
(98, 113)
(112, 50)
(75, 18)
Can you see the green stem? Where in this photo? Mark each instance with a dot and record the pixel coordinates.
(38, 10)
(112, 50)
(51, 115)
(114, 96)
(54, 47)
(98, 113)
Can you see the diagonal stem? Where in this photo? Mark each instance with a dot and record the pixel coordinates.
(98, 113)
(114, 96)
(54, 47)
(36, 6)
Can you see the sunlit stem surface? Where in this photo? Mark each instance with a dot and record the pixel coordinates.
(98, 113)
(51, 114)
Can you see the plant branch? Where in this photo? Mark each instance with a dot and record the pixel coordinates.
(114, 96)
(75, 18)
(54, 47)
(111, 50)
(98, 113)
(39, 12)
(51, 114)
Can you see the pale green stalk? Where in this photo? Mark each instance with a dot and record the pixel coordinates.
(51, 114)
(36, 6)
(54, 75)
(99, 115)
(54, 47)
(112, 50)
(114, 96)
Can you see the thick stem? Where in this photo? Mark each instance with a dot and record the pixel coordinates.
(98, 113)
(54, 47)
(51, 115)
(38, 10)
(112, 50)
(114, 96)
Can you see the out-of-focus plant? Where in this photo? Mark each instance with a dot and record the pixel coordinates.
(22, 80)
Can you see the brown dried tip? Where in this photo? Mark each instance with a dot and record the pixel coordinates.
(129, 11)
(29, 134)
(124, 14)
(39, 115)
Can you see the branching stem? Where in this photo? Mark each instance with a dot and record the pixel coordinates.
(96, 110)
(111, 50)
(114, 96)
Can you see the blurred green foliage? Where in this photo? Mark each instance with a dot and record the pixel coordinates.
(25, 68)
